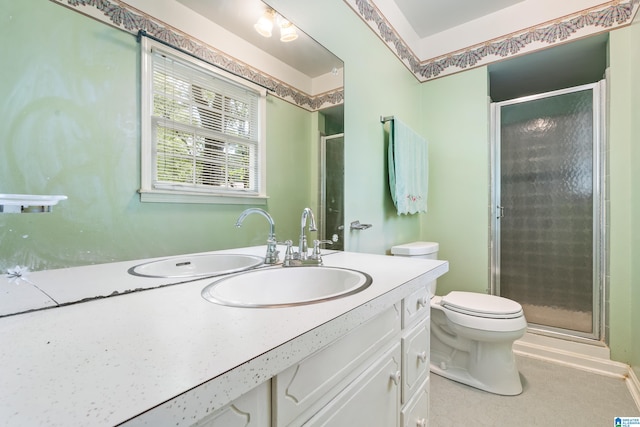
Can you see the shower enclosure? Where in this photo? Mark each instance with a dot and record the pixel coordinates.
(332, 190)
(547, 209)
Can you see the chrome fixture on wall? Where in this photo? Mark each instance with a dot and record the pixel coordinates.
(356, 225)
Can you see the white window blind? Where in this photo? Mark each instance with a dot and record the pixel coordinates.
(204, 128)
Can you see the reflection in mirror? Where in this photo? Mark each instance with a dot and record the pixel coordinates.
(240, 17)
(332, 190)
(258, 24)
(72, 126)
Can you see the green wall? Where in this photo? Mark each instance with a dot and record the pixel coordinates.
(376, 84)
(455, 111)
(634, 54)
(624, 190)
(68, 125)
(453, 114)
(459, 185)
(69, 115)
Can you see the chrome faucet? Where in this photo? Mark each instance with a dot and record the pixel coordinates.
(292, 259)
(302, 245)
(272, 252)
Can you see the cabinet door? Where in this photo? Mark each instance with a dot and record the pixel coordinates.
(373, 399)
(249, 410)
(415, 366)
(416, 412)
(303, 389)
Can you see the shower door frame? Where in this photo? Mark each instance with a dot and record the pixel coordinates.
(323, 232)
(599, 214)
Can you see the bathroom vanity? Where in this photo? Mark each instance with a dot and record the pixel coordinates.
(165, 356)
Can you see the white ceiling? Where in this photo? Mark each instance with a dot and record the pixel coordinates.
(239, 17)
(428, 17)
(558, 67)
(437, 24)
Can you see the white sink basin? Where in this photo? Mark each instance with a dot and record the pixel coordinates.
(197, 265)
(285, 286)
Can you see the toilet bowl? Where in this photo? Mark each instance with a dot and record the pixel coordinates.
(472, 334)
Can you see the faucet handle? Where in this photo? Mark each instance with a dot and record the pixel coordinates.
(288, 254)
(272, 256)
(316, 247)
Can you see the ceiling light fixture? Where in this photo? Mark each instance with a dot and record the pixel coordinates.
(287, 31)
(265, 23)
(264, 26)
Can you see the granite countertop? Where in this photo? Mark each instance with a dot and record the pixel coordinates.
(105, 361)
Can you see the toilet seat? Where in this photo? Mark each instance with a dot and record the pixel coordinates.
(469, 310)
(481, 305)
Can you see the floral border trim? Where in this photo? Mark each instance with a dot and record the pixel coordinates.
(127, 18)
(602, 18)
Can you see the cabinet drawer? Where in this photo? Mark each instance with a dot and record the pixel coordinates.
(373, 399)
(415, 307)
(309, 385)
(416, 412)
(415, 358)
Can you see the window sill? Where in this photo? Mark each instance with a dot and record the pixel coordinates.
(156, 196)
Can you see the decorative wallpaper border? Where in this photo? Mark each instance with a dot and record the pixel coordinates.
(587, 22)
(127, 18)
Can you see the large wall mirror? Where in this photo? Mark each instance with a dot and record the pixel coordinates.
(71, 125)
(263, 27)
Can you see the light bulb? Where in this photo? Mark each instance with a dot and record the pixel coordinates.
(265, 23)
(287, 32)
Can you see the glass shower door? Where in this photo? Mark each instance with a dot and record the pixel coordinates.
(332, 190)
(547, 218)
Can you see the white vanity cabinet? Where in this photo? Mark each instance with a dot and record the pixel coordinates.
(416, 311)
(415, 358)
(415, 412)
(415, 307)
(315, 382)
(373, 399)
(252, 409)
(361, 360)
(375, 375)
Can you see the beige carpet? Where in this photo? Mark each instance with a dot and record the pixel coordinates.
(553, 395)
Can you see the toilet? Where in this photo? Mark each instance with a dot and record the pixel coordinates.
(472, 334)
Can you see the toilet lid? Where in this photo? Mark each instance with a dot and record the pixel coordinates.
(481, 305)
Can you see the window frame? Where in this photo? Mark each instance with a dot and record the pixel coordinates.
(149, 191)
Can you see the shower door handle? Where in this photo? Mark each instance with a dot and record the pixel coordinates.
(500, 211)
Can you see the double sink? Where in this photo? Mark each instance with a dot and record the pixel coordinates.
(245, 282)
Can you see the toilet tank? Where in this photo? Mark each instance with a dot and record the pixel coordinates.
(425, 250)
(419, 250)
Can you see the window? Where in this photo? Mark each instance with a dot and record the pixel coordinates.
(202, 130)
